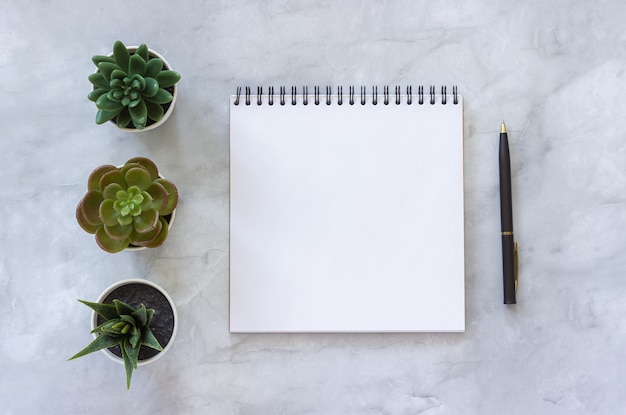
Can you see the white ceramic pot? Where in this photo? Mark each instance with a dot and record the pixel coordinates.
(160, 309)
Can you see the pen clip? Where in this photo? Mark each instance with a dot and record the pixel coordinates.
(515, 264)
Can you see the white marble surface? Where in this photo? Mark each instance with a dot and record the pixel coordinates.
(555, 71)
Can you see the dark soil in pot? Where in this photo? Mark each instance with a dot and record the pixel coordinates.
(162, 324)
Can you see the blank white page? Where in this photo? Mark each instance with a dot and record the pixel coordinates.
(346, 218)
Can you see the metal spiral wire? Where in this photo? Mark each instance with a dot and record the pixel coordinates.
(246, 94)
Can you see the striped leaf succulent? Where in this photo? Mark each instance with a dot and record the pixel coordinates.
(131, 88)
(124, 326)
(127, 206)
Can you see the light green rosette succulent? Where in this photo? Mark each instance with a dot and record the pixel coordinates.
(130, 88)
(127, 206)
(124, 326)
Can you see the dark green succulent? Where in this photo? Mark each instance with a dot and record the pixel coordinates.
(127, 206)
(124, 326)
(130, 87)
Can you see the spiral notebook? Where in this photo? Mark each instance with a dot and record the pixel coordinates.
(346, 210)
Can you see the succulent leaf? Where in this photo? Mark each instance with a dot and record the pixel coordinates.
(111, 327)
(132, 102)
(144, 162)
(106, 311)
(138, 176)
(122, 307)
(153, 67)
(137, 65)
(106, 68)
(142, 50)
(146, 221)
(96, 93)
(97, 79)
(110, 190)
(113, 176)
(108, 244)
(119, 232)
(96, 59)
(150, 312)
(118, 76)
(151, 87)
(123, 118)
(106, 104)
(167, 78)
(103, 116)
(147, 238)
(138, 82)
(140, 315)
(93, 182)
(161, 97)
(133, 352)
(148, 339)
(90, 205)
(160, 196)
(129, 364)
(135, 338)
(160, 237)
(130, 210)
(119, 325)
(125, 220)
(121, 55)
(108, 214)
(99, 343)
(126, 318)
(117, 84)
(139, 199)
(86, 226)
(155, 111)
(139, 115)
(172, 200)
(116, 95)
(147, 201)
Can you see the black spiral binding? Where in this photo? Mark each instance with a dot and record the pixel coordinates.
(282, 98)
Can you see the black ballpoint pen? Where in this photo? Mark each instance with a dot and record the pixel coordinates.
(509, 246)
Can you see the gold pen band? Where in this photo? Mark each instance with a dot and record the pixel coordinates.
(516, 264)
(507, 233)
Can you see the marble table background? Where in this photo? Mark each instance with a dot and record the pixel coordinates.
(554, 70)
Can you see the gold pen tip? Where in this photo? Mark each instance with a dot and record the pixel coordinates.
(503, 128)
